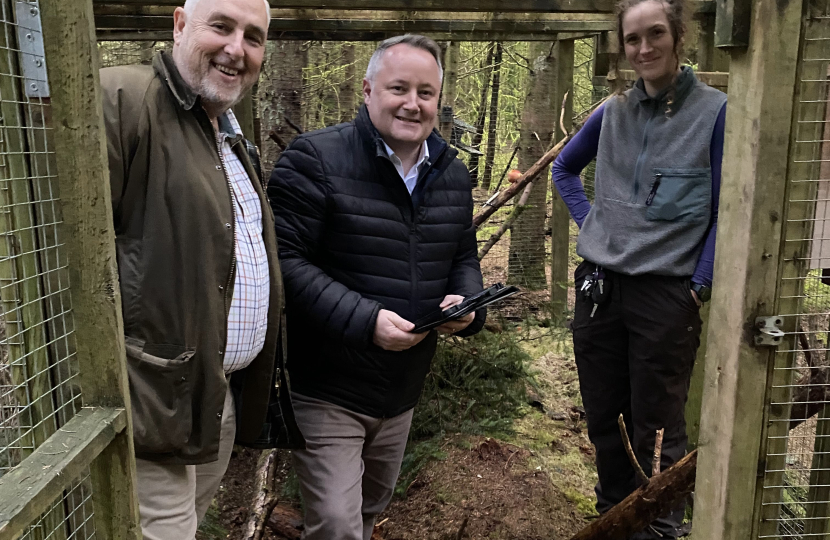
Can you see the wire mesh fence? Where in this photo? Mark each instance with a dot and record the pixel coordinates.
(38, 369)
(795, 495)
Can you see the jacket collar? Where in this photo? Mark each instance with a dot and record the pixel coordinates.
(683, 86)
(165, 68)
(373, 140)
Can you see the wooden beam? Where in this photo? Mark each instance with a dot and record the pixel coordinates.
(89, 239)
(334, 24)
(762, 84)
(29, 489)
(522, 6)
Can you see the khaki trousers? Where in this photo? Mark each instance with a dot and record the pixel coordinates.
(173, 499)
(348, 470)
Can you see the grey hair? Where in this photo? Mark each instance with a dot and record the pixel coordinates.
(190, 5)
(413, 40)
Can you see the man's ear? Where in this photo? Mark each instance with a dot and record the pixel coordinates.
(179, 20)
(367, 91)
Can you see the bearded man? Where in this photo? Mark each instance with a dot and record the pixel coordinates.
(201, 288)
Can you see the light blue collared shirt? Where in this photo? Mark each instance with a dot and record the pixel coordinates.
(409, 178)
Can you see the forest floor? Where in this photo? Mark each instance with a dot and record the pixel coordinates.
(534, 482)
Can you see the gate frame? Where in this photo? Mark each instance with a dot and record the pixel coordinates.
(99, 436)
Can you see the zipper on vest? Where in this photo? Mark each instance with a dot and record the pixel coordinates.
(654, 186)
(641, 158)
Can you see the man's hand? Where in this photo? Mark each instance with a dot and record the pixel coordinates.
(451, 327)
(392, 332)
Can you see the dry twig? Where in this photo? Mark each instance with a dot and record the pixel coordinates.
(658, 452)
(641, 476)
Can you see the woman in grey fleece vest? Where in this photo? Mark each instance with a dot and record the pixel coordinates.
(648, 244)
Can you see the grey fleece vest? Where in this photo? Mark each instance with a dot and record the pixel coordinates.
(653, 193)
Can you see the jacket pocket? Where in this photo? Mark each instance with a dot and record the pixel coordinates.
(680, 195)
(160, 377)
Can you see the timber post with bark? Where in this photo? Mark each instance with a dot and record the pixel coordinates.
(449, 88)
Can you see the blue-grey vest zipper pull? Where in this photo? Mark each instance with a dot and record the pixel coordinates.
(654, 186)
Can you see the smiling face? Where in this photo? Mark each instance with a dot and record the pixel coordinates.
(649, 44)
(403, 97)
(218, 49)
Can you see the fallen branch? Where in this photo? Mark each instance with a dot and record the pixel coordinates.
(514, 215)
(265, 498)
(461, 529)
(293, 126)
(647, 503)
(530, 175)
(638, 470)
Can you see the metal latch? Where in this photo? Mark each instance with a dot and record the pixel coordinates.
(32, 54)
(769, 331)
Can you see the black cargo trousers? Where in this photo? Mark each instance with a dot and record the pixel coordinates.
(634, 357)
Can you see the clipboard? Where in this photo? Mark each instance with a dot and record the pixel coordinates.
(490, 295)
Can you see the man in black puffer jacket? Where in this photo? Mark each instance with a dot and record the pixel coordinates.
(374, 219)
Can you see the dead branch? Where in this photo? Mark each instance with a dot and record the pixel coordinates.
(530, 175)
(562, 114)
(274, 136)
(514, 215)
(647, 503)
(265, 498)
(286, 522)
(638, 470)
(294, 126)
(658, 453)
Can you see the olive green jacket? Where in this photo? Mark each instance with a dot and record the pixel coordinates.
(174, 227)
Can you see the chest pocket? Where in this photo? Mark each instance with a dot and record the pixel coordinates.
(680, 195)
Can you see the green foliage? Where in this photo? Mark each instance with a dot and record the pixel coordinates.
(418, 454)
(476, 386)
(211, 527)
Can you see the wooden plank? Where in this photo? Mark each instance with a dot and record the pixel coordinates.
(560, 219)
(732, 23)
(29, 489)
(464, 29)
(694, 400)
(761, 92)
(525, 6)
(83, 171)
(352, 35)
(719, 80)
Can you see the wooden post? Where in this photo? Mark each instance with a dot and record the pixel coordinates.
(492, 121)
(762, 84)
(560, 218)
(732, 23)
(449, 89)
(80, 152)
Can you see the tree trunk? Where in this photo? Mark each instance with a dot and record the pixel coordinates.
(348, 89)
(448, 89)
(526, 261)
(494, 116)
(282, 95)
(482, 115)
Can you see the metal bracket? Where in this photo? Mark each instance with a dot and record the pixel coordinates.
(769, 331)
(32, 53)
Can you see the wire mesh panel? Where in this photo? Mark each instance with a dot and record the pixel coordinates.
(38, 369)
(795, 494)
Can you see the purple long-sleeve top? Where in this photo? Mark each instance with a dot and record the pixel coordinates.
(582, 149)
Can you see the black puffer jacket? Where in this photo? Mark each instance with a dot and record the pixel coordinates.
(352, 242)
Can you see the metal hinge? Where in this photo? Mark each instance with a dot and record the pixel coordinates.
(768, 331)
(32, 53)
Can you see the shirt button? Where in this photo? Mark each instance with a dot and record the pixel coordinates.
(219, 415)
(218, 167)
(221, 288)
(227, 225)
(221, 353)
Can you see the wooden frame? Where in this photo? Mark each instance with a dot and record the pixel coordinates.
(100, 436)
(762, 85)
